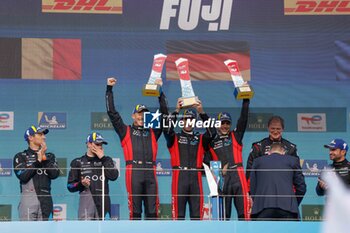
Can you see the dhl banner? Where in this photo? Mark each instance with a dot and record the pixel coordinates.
(316, 7)
(83, 6)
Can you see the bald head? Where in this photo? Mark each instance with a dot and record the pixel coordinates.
(277, 148)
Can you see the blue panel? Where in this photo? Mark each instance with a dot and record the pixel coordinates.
(159, 226)
(298, 63)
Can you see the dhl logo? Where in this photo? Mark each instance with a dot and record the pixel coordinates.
(316, 7)
(83, 6)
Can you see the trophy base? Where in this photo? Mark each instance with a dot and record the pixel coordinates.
(243, 92)
(188, 102)
(151, 90)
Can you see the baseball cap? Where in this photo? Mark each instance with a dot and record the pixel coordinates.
(96, 138)
(224, 116)
(140, 108)
(34, 130)
(190, 113)
(337, 144)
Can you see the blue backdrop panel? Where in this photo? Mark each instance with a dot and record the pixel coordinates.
(159, 226)
(295, 64)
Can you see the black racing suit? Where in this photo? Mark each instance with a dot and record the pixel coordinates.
(90, 202)
(228, 150)
(343, 171)
(35, 183)
(262, 147)
(140, 153)
(187, 153)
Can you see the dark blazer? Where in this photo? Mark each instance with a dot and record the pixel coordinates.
(274, 188)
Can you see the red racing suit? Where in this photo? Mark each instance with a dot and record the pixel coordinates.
(187, 153)
(228, 150)
(140, 152)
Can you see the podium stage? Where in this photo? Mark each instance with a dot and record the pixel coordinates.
(160, 227)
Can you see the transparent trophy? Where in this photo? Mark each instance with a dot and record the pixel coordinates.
(151, 88)
(242, 89)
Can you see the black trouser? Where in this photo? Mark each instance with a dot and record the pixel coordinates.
(142, 186)
(235, 186)
(187, 187)
(275, 214)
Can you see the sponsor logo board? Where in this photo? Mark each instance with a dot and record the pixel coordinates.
(59, 212)
(163, 167)
(6, 120)
(316, 7)
(312, 212)
(52, 120)
(83, 6)
(100, 121)
(312, 122)
(187, 15)
(258, 121)
(313, 168)
(164, 211)
(5, 212)
(5, 167)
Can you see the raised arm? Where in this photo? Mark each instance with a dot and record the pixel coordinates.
(114, 116)
(163, 106)
(242, 121)
(169, 132)
(210, 132)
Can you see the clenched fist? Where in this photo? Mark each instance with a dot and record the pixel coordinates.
(111, 81)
